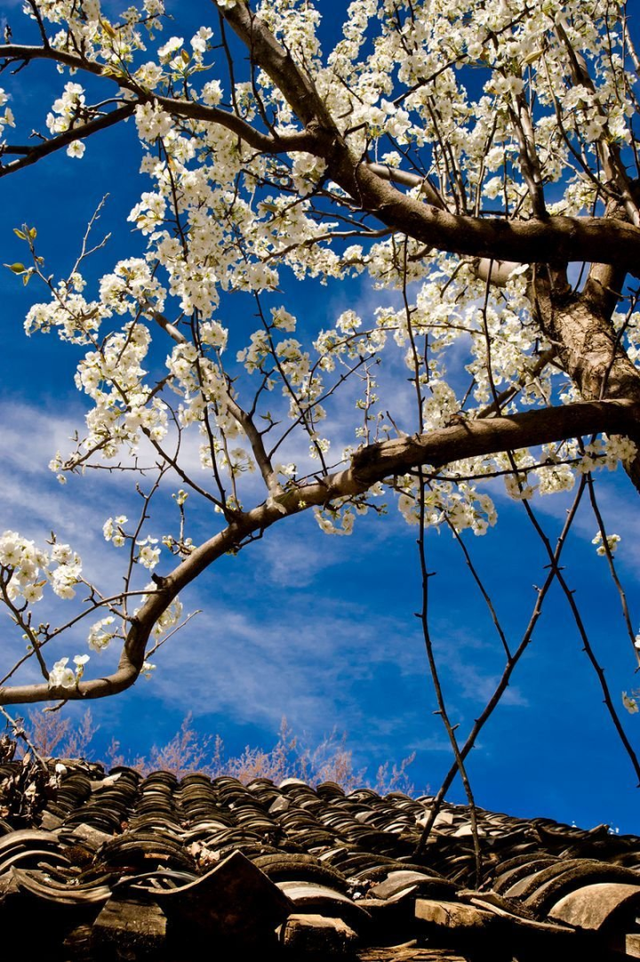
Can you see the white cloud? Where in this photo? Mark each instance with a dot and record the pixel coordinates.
(255, 660)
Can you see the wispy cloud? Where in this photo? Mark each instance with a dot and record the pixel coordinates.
(254, 660)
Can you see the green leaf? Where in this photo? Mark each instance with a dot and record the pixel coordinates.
(19, 233)
(33, 233)
(108, 29)
(533, 56)
(16, 268)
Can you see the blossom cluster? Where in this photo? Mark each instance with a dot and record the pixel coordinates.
(6, 118)
(612, 542)
(446, 503)
(28, 568)
(63, 676)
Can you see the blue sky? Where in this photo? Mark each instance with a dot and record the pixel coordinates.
(322, 630)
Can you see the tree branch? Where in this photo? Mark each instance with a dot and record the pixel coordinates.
(276, 61)
(80, 132)
(470, 438)
(284, 143)
(556, 239)
(370, 465)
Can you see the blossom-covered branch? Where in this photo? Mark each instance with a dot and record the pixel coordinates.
(372, 465)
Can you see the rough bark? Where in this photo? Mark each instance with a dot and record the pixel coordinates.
(588, 348)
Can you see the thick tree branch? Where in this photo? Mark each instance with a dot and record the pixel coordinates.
(489, 436)
(408, 179)
(265, 51)
(285, 143)
(370, 465)
(25, 53)
(557, 240)
(588, 348)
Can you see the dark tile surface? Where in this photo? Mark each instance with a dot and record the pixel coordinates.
(117, 866)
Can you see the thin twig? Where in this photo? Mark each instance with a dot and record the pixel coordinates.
(505, 678)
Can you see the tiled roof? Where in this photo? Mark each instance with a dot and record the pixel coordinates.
(124, 867)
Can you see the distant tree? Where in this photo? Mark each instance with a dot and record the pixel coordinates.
(479, 157)
(49, 736)
(55, 736)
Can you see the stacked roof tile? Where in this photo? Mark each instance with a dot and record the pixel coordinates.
(121, 867)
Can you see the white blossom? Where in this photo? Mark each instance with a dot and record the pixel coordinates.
(99, 634)
(613, 541)
(60, 676)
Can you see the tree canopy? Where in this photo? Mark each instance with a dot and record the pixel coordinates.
(479, 159)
